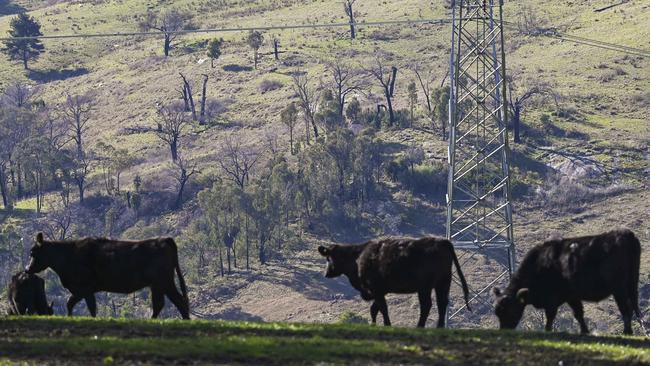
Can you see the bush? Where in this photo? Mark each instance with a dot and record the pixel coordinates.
(567, 196)
(269, 85)
(350, 317)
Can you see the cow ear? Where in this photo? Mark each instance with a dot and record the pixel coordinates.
(522, 295)
(324, 251)
(39, 239)
(496, 292)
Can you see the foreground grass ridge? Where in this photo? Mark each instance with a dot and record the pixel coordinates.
(90, 341)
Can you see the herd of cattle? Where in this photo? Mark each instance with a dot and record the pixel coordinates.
(569, 270)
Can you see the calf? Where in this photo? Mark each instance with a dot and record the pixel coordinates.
(92, 265)
(401, 266)
(588, 268)
(27, 296)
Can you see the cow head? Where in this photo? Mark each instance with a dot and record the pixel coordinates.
(508, 308)
(38, 258)
(338, 262)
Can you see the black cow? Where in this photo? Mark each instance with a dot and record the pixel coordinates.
(401, 266)
(571, 270)
(92, 265)
(27, 296)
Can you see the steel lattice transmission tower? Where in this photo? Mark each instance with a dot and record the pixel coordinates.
(479, 212)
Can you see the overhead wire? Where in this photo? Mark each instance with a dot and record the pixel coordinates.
(551, 33)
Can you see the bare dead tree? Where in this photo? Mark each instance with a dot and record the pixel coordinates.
(184, 170)
(521, 95)
(204, 96)
(238, 161)
(171, 121)
(385, 77)
(58, 222)
(345, 81)
(76, 112)
(81, 167)
(187, 94)
(349, 11)
(308, 99)
(168, 22)
(426, 80)
(19, 95)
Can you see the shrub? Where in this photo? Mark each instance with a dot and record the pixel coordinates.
(567, 196)
(350, 317)
(269, 85)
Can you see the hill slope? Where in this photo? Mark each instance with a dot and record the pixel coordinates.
(601, 123)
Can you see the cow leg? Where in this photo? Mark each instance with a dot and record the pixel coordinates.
(178, 300)
(374, 309)
(579, 314)
(442, 300)
(72, 301)
(380, 300)
(551, 312)
(157, 302)
(92, 304)
(425, 306)
(626, 311)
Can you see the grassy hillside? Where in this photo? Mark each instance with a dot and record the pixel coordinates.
(601, 122)
(84, 341)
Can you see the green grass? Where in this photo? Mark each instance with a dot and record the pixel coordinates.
(89, 341)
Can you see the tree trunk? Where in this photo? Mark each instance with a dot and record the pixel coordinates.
(247, 245)
(307, 134)
(443, 126)
(189, 97)
(185, 100)
(221, 262)
(228, 258)
(261, 253)
(275, 49)
(20, 189)
(179, 198)
(174, 149)
(82, 189)
(3, 189)
(291, 139)
(389, 101)
(255, 58)
(80, 151)
(203, 98)
(313, 123)
(350, 12)
(516, 123)
(25, 61)
(392, 81)
(168, 43)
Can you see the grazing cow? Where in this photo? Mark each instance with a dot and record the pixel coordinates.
(400, 266)
(571, 270)
(92, 265)
(27, 296)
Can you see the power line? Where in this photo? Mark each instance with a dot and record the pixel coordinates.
(550, 34)
(235, 29)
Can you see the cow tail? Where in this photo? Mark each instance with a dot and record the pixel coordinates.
(181, 279)
(461, 276)
(636, 263)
